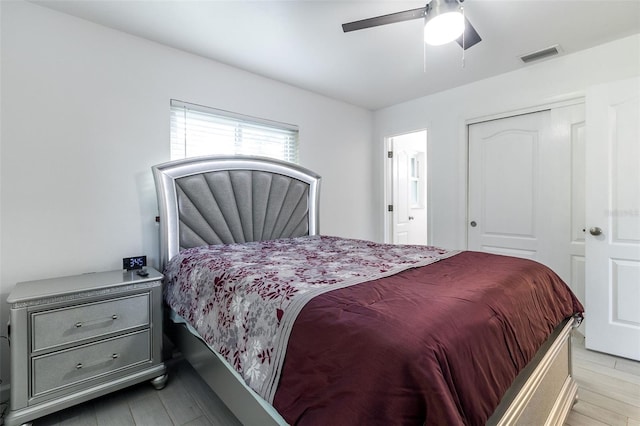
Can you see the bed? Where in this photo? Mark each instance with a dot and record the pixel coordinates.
(373, 334)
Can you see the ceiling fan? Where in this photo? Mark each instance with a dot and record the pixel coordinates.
(444, 22)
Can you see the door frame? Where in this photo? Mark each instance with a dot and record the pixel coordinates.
(388, 185)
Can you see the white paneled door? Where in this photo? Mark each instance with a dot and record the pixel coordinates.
(504, 185)
(613, 219)
(526, 189)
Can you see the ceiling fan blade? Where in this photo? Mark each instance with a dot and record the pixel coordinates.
(392, 18)
(471, 36)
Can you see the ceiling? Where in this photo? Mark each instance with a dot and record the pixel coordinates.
(301, 42)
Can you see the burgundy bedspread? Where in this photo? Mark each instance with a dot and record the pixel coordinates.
(243, 299)
(437, 345)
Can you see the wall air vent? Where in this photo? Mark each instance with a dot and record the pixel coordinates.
(541, 54)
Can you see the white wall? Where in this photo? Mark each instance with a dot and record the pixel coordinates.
(445, 114)
(85, 114)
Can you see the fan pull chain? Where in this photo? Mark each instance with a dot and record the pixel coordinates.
(424, 58)
(463, 31)
(424, 50)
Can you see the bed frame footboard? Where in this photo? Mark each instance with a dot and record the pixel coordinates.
(542, 394)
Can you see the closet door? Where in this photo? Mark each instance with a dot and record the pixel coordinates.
(526, 189)
(504, 184)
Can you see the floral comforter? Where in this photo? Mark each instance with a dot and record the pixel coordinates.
(244, 298)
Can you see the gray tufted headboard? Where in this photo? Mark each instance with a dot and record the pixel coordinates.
(222, 200)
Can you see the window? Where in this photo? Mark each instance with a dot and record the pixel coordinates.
(416, 182)
(198, 130)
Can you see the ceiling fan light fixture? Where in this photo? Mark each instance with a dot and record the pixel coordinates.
(444, 22)
(443, 28)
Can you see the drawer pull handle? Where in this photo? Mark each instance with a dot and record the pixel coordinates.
(79, 366)
(114, 356)
(113, 317)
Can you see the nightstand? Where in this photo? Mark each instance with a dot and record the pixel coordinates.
(76, 338)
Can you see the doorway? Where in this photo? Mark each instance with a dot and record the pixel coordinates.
(407, 188)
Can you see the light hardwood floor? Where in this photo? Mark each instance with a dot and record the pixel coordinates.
(609, 394)
(185, 401)
(608, 388)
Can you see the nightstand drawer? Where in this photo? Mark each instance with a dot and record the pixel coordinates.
(69, 325)
(91, 361)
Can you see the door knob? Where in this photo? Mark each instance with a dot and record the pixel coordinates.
(595, 231)
(411, 218)
(473, 224)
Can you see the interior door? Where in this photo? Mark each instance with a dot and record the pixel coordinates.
(504, 187)
(613, 218)
(526, 189)
(409, 180)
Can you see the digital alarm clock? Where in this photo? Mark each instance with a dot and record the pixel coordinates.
(132, 263)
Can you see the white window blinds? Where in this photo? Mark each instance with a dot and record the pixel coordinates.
(198, 130)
